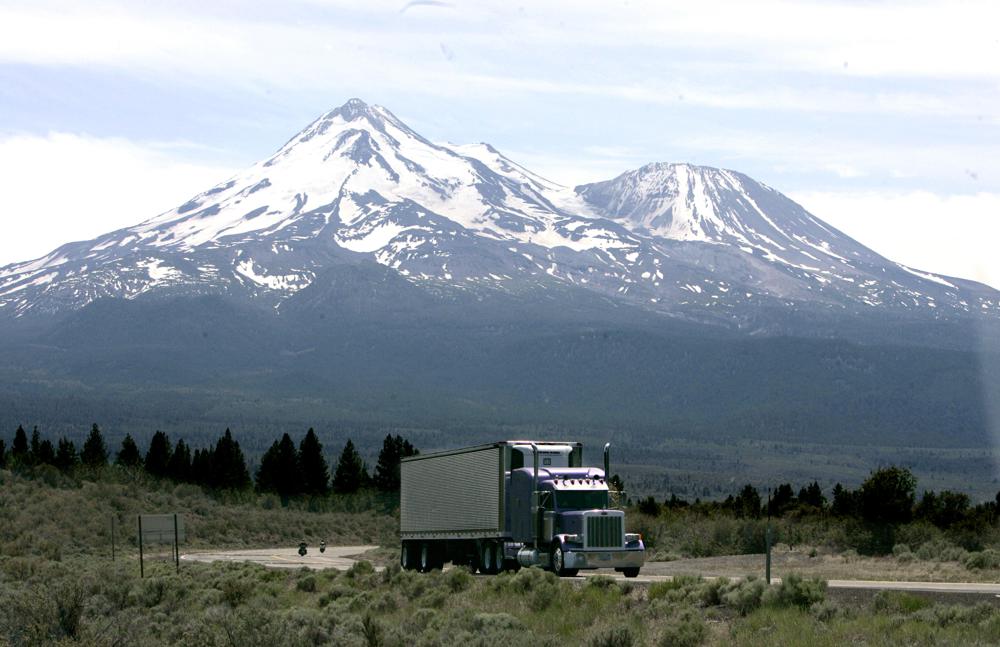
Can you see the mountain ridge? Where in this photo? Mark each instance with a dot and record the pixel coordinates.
(358, 185)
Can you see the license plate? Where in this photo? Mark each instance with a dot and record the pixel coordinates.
(604, 557)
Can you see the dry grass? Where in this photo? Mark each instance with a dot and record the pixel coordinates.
(823, 563)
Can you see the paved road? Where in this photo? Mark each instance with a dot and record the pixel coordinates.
(338, 557)
(341, 558)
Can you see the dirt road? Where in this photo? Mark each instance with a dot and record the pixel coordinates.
(342, 557)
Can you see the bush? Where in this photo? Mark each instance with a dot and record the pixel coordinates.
(495, 621)
(744, 595)
(683, 629)
(710, 593)
(678, 582)
(988, 558)
(797, 592)
(458, 579)
(941, 551)
(956, 614)
(307, 584)
(898, 602)
(601, 582)
(826, 611)
(617, 636)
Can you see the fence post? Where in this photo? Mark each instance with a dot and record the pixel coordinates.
(142, 570)
(177, 548)
(767, 540)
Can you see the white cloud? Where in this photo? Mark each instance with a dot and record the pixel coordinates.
(693, 53)
(64, 187)
(946, 234)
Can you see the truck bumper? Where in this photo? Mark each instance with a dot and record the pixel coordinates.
(608, 558)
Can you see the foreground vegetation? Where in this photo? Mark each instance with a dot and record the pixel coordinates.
(58, 584)
(83, 602)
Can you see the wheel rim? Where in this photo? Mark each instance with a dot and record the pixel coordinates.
(557, 560)
(424, 557)
(487, 557)
(404, 558)
(498, 558)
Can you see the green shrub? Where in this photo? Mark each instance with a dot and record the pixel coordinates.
(945, 615)
(988, 558)
(235, 590)
(486, 622)
(900, 549)
(458, 579)
(360, 568)
(744, 595)
(616, 636)
(677, 582)
(941, 550)
(601, 582)
(686, 628)
(372, 631)
(898, 602)
(794, 591)
(826, 610)
(307, 584)
(710, 593)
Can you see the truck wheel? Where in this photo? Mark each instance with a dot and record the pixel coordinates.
(498, 557)
(486, 558)
(425, 557)
(406, 561)
(632, 571)
(559, 562)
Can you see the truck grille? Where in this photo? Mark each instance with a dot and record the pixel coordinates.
(604, 532)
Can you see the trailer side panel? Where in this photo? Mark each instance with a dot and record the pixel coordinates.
(453, 494)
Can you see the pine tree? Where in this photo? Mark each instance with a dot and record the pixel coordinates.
(128, 455)
(19, 448)
(781, 500)
(315, 472)
(280, 471)
(158, 454)
(229, 467)
(46, 453)
(394, 448)
(201, 467)
(35, 447)
(95, 452)
(813, 495)
(351, 474)
(66, 456)
(179, 465)
(747, 503)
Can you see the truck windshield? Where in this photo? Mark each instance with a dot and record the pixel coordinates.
(582, 500)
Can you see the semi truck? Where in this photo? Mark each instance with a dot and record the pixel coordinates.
(510, 504)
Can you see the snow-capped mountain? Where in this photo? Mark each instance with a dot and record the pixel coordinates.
(359, 186)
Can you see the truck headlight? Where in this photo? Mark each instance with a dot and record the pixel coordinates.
(632, 537)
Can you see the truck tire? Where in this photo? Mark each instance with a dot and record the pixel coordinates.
(407, 560)
(632, 571)
(558, 561)
(486, 563)
(498, 557)
(426, 557)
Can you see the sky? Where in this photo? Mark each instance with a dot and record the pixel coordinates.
(881, 118)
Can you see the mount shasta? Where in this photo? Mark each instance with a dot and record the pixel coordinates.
(357, 186)
(363, 275)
